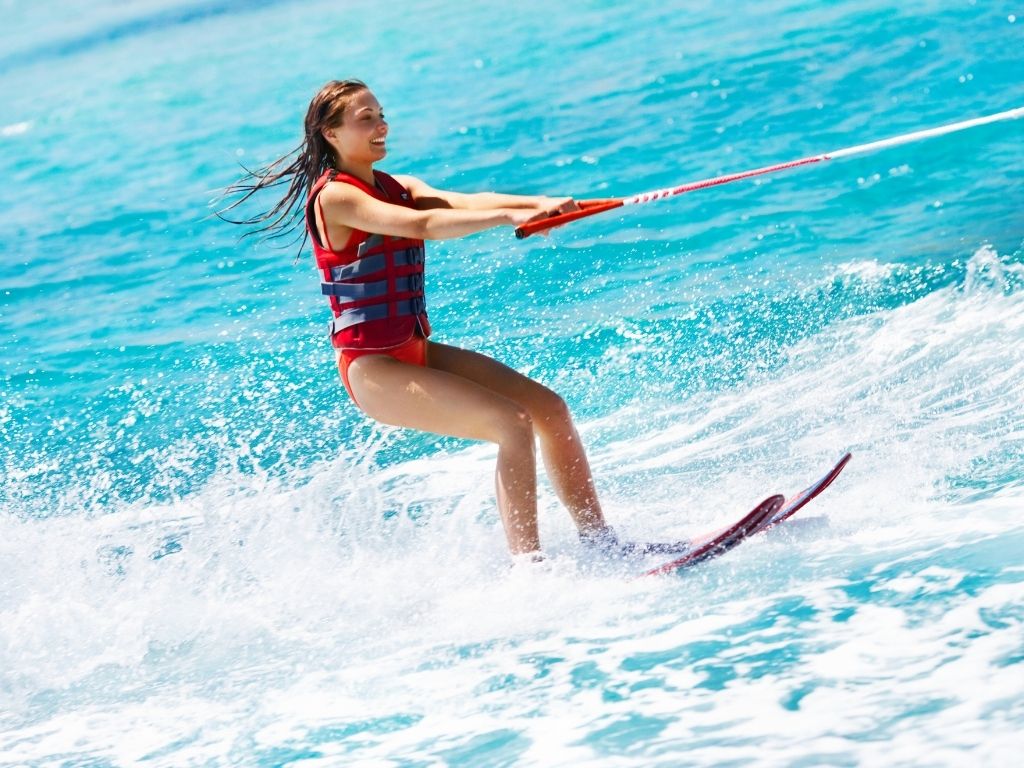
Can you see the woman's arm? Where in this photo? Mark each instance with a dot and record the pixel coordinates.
(426, 197)
(346, 206)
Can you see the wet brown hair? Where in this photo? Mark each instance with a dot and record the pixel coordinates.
(299, 169)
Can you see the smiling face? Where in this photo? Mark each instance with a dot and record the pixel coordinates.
(360, 139)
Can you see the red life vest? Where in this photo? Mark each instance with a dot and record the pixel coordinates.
(375, 282)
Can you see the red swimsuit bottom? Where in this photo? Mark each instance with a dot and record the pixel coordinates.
(413, 351)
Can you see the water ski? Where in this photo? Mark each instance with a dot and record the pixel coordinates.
(765, 515)
(797, 502)
(713, 545)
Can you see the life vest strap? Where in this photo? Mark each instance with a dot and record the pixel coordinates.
(366, 266)
(357, 291)
(371, 242)
(350, 317)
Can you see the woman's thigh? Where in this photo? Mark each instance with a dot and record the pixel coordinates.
(433, 400)
(497, 377)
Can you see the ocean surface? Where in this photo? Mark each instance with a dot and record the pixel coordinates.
(209, 557)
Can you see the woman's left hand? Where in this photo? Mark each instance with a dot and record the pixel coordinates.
(557, 205)
(552, 206)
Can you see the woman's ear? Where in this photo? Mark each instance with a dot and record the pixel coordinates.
(327, 133)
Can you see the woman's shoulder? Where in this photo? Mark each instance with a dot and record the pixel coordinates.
(411, 183)
(342, 186)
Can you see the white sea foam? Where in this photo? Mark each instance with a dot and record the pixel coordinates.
(16, 129)
(866, 271)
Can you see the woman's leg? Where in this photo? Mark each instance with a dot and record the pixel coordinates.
(435, 401)
(564, 456)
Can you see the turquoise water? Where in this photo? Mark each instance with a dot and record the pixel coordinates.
(208, 557)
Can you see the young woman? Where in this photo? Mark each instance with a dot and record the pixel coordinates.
(367, 230)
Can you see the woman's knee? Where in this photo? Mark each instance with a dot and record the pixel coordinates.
(513, 424)
(549, 410)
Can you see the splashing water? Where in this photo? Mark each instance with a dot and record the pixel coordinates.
(207, 556)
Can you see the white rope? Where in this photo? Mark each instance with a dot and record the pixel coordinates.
(906, 138)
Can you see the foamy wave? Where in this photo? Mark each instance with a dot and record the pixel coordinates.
(866, 271)
(16, 129)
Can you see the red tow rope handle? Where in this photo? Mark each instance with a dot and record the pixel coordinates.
(587, 208)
